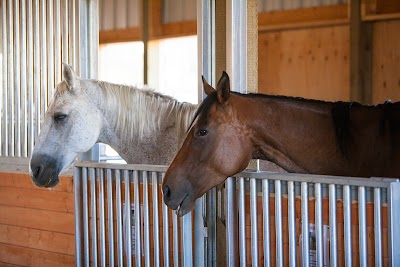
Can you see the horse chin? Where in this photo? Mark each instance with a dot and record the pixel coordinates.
(186, 206)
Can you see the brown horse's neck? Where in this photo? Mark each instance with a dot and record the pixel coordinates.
(301, 136)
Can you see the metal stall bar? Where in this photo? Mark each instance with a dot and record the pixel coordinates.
(17, 78)
(231, 223)
(393, 223)
(378, 227)
(304, 223)
(291, 224)
(36, 68)
(138, 254)
(146, 220)
(43, 60)
(187, 243)
(156, 225)
(254, 230)
(85, 217)
(102, 218)
(57, 41)
(362, 223)
(332, 225)
(127, 219)
(347, 224)
(166, 233)
(118, 196)
(10, 68)
(29, 50)
(50, 47)
(78, 215)
(4, 122)
(92, 178)
(23, 71)
(110, 213)
(278, 223)
(175, 238)
(318, 223)
(266, 235)
(242, 222)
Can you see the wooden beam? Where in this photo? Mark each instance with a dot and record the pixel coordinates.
(120, 35)
(304, 17)
(360, 55)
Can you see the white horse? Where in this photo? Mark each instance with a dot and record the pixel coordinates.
(144, 127)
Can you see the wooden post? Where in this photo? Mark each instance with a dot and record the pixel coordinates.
(360, 55)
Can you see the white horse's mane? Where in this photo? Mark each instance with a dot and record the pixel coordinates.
(131, 102)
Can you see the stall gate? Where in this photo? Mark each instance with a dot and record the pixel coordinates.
(270, 218)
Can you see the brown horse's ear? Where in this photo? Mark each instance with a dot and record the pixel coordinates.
(69, 77)
(223, 88)
(208, 89)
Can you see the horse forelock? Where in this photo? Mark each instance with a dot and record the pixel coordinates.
(140, 112)
(202, 112)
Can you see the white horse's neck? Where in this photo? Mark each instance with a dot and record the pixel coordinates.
(142, 126)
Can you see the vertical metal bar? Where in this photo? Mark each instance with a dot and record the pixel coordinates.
(242, 223)
(72, 32)
(128, 215)
(137, 218)
(43, 59)
(231, 223)
(332, 225)
(156, 233)
(85, 217)
(393, 223)
(23, 70)
(64, 27)
(78, 216)
(304, 224)
(4, 113)
(10, 58)
(57, 41)
(211, 217)
(254, 230)
(318, 223)
(199, 238)
(278, 223)
(166, 234)
(362, 221)
(93, 199)
(378, 226)
(50, 48)
(175, 238)
(347, 224)
(291, 224)
(146, 222)
(102, 219)
(118, 196)
(29, 50)
(187, 242)
(266, 235)
(110, 217)
(17, 78)
(36, 68)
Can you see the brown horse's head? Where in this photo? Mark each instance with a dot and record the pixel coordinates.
(217, 146)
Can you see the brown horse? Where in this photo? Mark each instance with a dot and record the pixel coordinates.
(299, 135)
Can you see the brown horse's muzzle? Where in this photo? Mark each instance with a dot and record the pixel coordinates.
(177, 196)
(44, 171)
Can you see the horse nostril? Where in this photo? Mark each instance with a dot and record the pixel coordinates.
(166, 191)
(36, 171)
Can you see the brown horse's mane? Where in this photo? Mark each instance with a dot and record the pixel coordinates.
(340, 112)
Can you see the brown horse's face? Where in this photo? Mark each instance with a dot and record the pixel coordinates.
(217, 146)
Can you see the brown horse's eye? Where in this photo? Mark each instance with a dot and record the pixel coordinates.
(201, 132)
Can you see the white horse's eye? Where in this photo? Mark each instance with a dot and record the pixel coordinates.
(58, 117)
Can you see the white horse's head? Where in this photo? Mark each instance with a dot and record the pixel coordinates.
(72, 125)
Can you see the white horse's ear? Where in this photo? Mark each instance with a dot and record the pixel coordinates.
(69, 76)
(223, 88)
(208, 89)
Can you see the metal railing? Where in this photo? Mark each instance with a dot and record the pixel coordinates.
(119, 214)
(359, 197)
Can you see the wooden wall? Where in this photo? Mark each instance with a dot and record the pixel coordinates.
(36, 225)
(310, 63)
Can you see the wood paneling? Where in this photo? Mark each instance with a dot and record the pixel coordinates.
(36, 224)
(386, 61)
(310, 63)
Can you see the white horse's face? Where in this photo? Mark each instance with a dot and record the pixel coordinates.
(72, 125)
